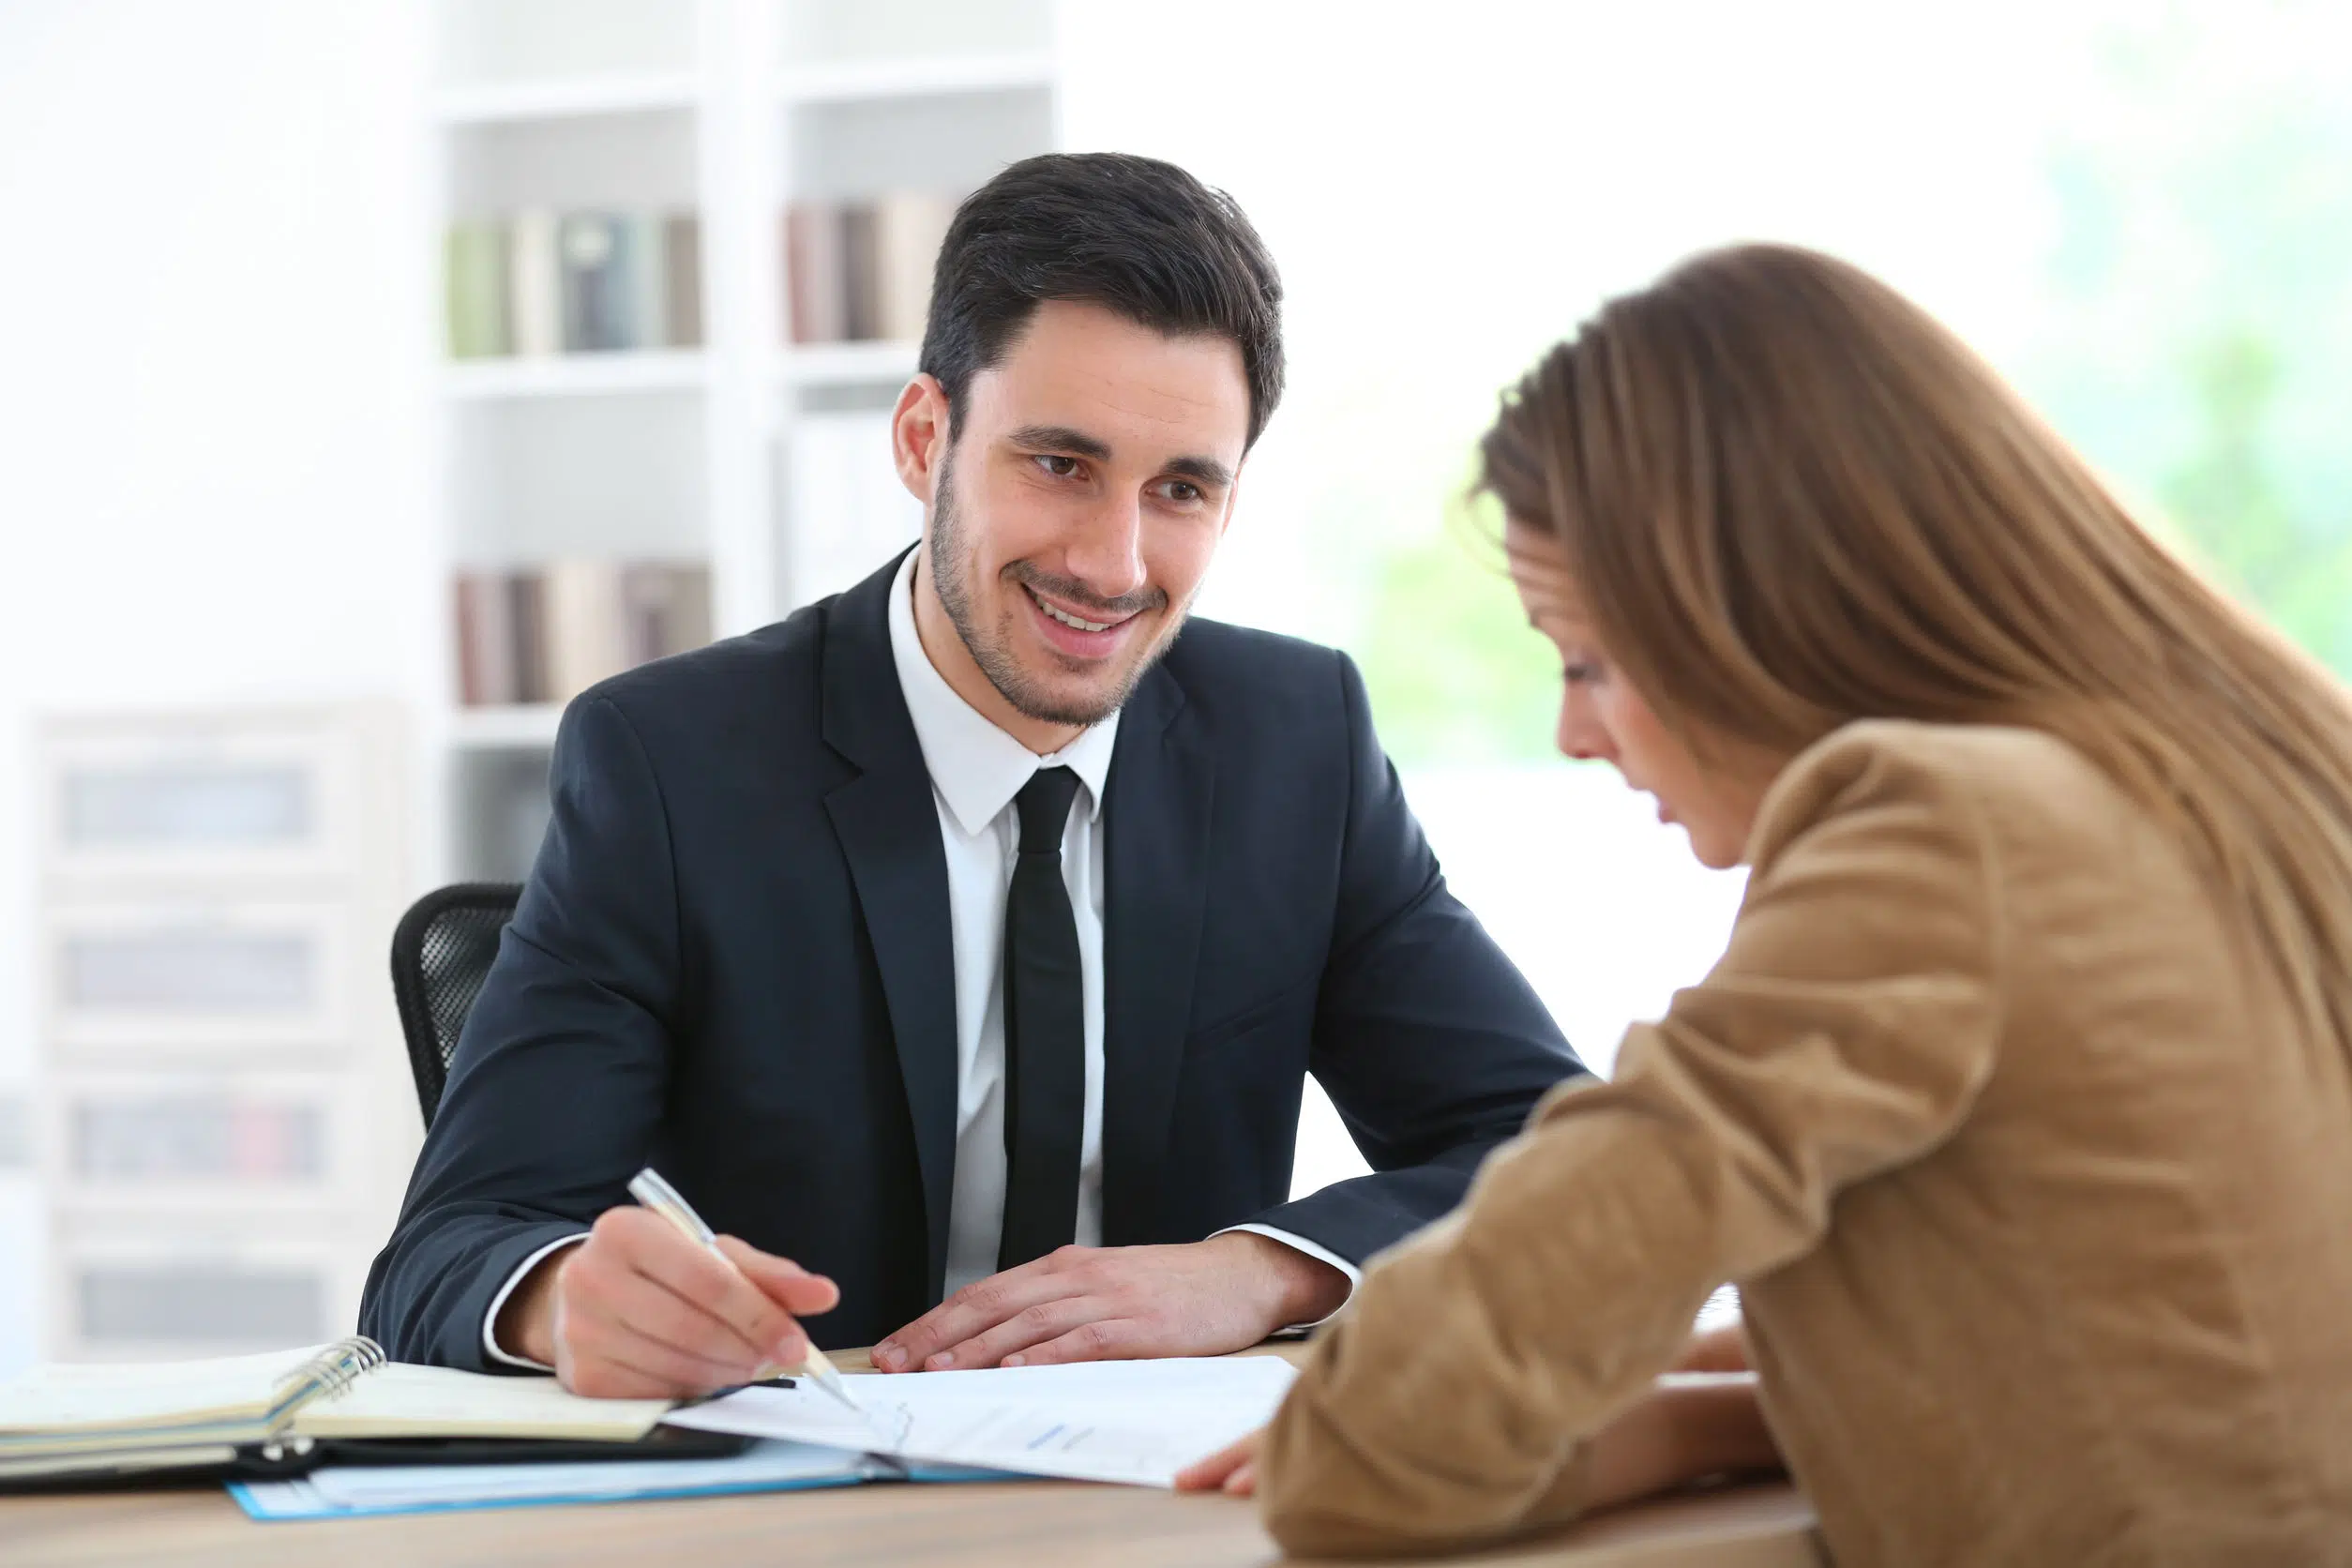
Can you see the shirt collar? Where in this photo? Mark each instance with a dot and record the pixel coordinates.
(976, 767)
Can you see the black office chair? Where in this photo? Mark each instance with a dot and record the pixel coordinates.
(440, 952)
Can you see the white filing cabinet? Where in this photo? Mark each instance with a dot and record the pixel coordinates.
(226, 1122)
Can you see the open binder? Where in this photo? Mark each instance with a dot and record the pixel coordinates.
(281, 1413)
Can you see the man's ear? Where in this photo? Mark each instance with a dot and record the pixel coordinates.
(919, 435)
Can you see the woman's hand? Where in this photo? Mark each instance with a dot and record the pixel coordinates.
(1720, 1350)
(1232, 1469)
(1682, 1431)
(1669, 1437)
(1675, 1434)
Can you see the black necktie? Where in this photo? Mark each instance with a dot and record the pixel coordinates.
(1044, 1033)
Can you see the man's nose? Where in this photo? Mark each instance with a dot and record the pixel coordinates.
(1107, 552)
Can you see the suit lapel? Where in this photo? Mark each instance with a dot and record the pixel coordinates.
(888, 827)
(1156, 880)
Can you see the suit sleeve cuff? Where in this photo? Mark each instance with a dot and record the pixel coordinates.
(490, 1320)
(1296, 1243)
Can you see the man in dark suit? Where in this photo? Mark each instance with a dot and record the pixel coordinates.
(958, 946)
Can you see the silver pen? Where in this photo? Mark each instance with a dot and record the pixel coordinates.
(648, 1188)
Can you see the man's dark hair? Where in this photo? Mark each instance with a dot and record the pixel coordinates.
(1138, 237)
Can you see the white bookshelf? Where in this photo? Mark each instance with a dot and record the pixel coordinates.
(524, 726)
(848, 364)
(854, 80)
(221, 1127)
(549, 101)
(745, 453)
(577, 374)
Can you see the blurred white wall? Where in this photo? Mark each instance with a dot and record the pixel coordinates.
(1602, 910)
(217, 314)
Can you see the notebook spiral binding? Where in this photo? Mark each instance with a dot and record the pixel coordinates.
(341, 1363)
(323, 1377)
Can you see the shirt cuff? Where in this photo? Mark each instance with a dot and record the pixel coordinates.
(1296, 1243)
(498, 1302)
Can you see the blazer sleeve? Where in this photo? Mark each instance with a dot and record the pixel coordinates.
(558, 1079)
(1431, 1045)
(1848, 1031)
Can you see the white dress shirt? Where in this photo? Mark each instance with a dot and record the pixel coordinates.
(977, 769)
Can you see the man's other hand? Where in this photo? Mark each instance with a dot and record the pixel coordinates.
(1106, 1304)
(640, 1311)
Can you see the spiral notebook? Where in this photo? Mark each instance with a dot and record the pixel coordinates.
(66, 1420)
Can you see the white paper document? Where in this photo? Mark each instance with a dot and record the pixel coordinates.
(1138, 1422)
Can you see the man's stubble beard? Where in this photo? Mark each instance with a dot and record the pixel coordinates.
(951, 576)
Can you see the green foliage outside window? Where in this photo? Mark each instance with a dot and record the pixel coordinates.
(2199, 342)
(1456, 674)
(2294, 564)
(2194, 340)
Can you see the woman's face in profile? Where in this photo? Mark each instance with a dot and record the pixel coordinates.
(1603, 717)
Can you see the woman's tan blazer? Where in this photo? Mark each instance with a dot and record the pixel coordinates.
(2038, 1192)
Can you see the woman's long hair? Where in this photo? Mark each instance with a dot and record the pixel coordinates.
(1789, 498)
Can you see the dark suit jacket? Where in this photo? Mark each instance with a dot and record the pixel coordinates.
(732, 962)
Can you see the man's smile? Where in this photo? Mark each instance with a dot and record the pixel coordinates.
(1070, 631)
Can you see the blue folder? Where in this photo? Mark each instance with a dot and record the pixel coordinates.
(351, 1492)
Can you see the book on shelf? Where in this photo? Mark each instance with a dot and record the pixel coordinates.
(539, 283)
(909, 229)
(860, 271)
(207, 1138)
(645, 286)
(485, 639)
(536, 311)
(526, 620)
(584, 625)
(477, 291)
(861, 275)
(682, 279)
(594, 281)
(815, 296)
(547, 634)
(665, 610)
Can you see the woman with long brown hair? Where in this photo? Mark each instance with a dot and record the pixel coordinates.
(2020, 1105)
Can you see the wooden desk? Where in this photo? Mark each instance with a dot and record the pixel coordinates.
(1041, 1524)
(1035, 1523)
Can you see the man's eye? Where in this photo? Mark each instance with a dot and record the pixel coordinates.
(1582, 672)
(1180, 490)
(1061, 468)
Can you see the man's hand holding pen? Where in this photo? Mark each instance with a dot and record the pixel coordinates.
(640, 1310)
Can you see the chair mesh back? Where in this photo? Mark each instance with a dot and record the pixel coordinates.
(441, 954)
